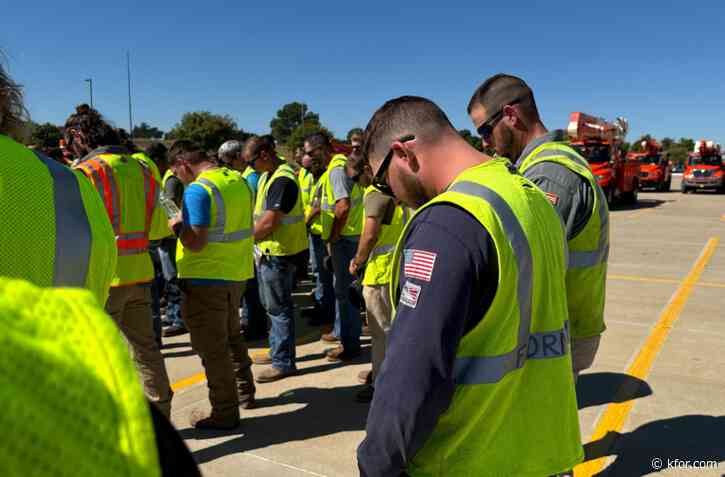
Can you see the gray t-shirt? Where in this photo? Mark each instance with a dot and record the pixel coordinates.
(341, 184)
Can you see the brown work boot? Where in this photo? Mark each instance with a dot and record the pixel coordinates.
(330, 338)
(273, 374)
(340, 354)
(365, 377)
(205, 420)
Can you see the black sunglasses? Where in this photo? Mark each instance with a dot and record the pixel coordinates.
(486, 129)
(379, 180)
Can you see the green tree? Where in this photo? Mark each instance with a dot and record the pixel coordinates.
(206, 129)
(297, 138)
(677, 153)
(354, 131)
(667, 143)
(146, 131)
(687, 143)
(289, 118)
(45, 136)
(471, 139)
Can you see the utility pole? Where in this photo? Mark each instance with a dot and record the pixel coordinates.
(130, 110)
(90, 86)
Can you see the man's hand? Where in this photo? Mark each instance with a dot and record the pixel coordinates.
(354, 267)
(175, 223)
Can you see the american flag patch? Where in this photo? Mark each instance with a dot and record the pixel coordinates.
(419, 264)
(553, 198)
(410, 294)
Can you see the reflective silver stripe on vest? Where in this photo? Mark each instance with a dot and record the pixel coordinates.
(216, 233)
(383, 249)
(72, 229)
(579, 259)
(491, 369)
(291, 219)
(325, 206)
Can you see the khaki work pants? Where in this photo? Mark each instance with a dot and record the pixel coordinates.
(130, 308)
(583, 352)
(211, 313)
(377, 303)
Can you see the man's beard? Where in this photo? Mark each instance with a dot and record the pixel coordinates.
(414, 194)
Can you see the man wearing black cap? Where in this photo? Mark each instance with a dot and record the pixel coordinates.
(504, 112)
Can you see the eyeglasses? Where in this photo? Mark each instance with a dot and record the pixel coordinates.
(379, 181)
(485, 130)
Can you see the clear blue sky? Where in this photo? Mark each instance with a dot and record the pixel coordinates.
(661, 66)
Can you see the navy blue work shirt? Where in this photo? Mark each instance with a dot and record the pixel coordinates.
(447, 282)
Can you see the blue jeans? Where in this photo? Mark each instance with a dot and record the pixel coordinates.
(276, 282)
(324, 291)
(167, 257)
(347, 317)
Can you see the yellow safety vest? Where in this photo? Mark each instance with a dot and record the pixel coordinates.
(514, 410)
(228, 254)
(130, 194)
(167, 175)
(308, 186)
(353, 225)
(290, 236)
(55, 230)
(66, 369)
(586, 277)
(377, 270)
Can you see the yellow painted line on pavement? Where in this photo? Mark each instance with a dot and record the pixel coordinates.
(637, 278)
(616, 414)
(200, 377)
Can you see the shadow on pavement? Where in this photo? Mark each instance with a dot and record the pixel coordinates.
(602, 388)
(642, 203)
(691, 437)
(328, 411)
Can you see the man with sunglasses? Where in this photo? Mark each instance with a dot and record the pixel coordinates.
(341, 215)
(281, 240)
(477, 374)
(505, 113)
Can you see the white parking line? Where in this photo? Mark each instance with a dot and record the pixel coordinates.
(308, 472)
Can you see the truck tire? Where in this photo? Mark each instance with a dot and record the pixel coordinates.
(631, 197)
(610, 195)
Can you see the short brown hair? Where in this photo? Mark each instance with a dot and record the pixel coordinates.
(257, 144)
(192, 152)
(502, 89)
(414, 115)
